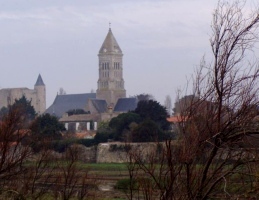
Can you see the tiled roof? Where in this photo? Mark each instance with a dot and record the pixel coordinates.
(126, 104)
(175, 119)
(64, 103)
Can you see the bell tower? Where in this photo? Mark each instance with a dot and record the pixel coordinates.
(110, 82)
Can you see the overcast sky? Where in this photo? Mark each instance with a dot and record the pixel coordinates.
(162, 42)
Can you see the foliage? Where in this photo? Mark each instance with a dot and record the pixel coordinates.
(102, 137)
(60, 146)
(4, 111)
(146, 123)
(122, 123)
(154, 111)
(146, 131)
(47, 126)
(26, 108)
(103, 126)
(144, 97)
(125, 184)
(87, 142)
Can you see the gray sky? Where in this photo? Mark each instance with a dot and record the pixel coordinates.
(162, 42)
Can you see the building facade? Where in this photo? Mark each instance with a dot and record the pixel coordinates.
(36, 96)
(110, 98)
(110, 83)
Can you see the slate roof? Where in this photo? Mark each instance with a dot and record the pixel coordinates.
(64, 103)
(126, 104)
(100, 105)
(110, 45)
(39, 81)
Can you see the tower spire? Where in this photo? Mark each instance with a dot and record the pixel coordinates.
(110, 82)
(39, 81)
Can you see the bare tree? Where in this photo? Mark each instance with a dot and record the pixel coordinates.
(38, 178)
(72, 181)
(213, 157)
(12, 153)
(62, 91)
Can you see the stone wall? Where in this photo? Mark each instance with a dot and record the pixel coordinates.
(36, 96)
(86, 154)
(116, 152)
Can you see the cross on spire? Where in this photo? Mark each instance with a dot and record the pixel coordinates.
(109, 25)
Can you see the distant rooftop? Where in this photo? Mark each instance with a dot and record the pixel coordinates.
(64, 103)
(126, 104)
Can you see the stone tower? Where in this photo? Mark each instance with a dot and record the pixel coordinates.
(110, 82)
(40, 89)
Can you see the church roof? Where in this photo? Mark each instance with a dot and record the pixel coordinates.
(64, 103)
(126, 104)
(100, 105)
(39, 81)
(110, 45)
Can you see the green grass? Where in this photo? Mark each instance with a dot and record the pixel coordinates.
(106, 166)
(90, 166)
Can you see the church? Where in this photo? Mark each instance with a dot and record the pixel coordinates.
(110, 97)
(108, 101)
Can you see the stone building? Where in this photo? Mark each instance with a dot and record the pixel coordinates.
(37, 96)
(110, 97)
(110, 83)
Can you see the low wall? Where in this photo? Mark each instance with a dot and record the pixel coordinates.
(86, 154)
(116, 152)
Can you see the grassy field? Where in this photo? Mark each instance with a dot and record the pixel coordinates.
(103, 175)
